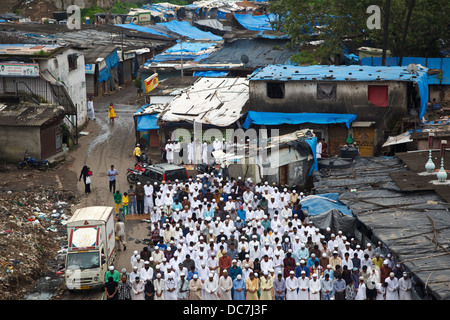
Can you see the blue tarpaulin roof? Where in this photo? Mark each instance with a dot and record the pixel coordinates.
(185, 29)
(210, 73)
(431, 63)
(346, 73)
(147, 29)
(255, 23)
(280, 118)
(147, 122)
(191, 51)
(322, 203)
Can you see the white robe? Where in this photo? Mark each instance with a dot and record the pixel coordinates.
(169, 152)
(291, 288)
(170, 284)
(381, 291)
(225, 286)
(404, 286)
(361, 293)
(148, 199)
(314, 289)
(90, 110)
(392, 289)
(211, 289)
(303, 284)
(159, 288)
(137, 290)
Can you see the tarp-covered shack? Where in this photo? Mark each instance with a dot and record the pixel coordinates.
(414, 226)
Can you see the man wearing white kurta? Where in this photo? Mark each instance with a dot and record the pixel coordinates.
(392, 288)
(169, 151)
(137, 289)
(303, 287)
(225, 286)
(404, 287)
(314, 288)
(148, 199)
(158, 283)
(211, 286)
(170, 287)
(291, 287)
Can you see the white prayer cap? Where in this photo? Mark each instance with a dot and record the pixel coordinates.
(386, 261)
(211, 275)
(405, 274)
(302, 261)
(239, 276)
(391, 274)
(315, 275)
(135, 252)
(339, 232)
(111, 268)
(195, 276)
(158, 275)
(303, 272)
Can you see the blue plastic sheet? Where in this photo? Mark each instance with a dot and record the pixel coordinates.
(431, 63)
(280, 118)
(147, 29)
(112, 61)
(185, 29)
(210, 73)
(147, 122)
(325, 202)
(255, 23)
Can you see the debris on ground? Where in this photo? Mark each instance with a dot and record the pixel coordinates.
(32, 232)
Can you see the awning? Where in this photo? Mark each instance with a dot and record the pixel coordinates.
(147, 122)
(279, 118)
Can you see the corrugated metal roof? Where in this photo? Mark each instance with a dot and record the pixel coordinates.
(215, 101)
(335, 73)
(29, 115)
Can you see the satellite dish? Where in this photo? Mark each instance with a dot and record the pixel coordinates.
(412, 68)
(244, 59)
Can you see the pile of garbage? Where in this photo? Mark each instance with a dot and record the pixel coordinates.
(32, 232)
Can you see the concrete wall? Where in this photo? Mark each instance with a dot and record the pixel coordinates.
(15, 140)
(75, 80)
(351, 97)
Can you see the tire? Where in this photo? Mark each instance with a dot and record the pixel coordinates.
(131, 178)
(43, 166)
(21, 165)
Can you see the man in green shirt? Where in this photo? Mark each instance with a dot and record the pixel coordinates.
(117, 200)
(112, 273)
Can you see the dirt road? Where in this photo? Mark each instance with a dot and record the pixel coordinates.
(107, 144)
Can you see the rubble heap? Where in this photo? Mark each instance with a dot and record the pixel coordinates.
(32, 232)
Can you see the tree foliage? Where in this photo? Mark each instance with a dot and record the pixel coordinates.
(339, 22)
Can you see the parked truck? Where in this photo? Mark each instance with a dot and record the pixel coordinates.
(91, 247)
(139, 17)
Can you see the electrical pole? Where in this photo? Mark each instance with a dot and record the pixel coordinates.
(387, 10)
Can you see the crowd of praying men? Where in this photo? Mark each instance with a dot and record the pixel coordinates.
(214, 238)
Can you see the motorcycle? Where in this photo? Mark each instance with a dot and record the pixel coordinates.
(32, 163)
(132, 175)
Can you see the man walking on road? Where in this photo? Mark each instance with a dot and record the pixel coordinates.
(112, 173)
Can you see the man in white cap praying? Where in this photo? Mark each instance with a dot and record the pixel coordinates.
(211, 286)
(404, 287)
(392, 288)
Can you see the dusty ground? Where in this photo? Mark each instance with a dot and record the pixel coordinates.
(26, 252)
